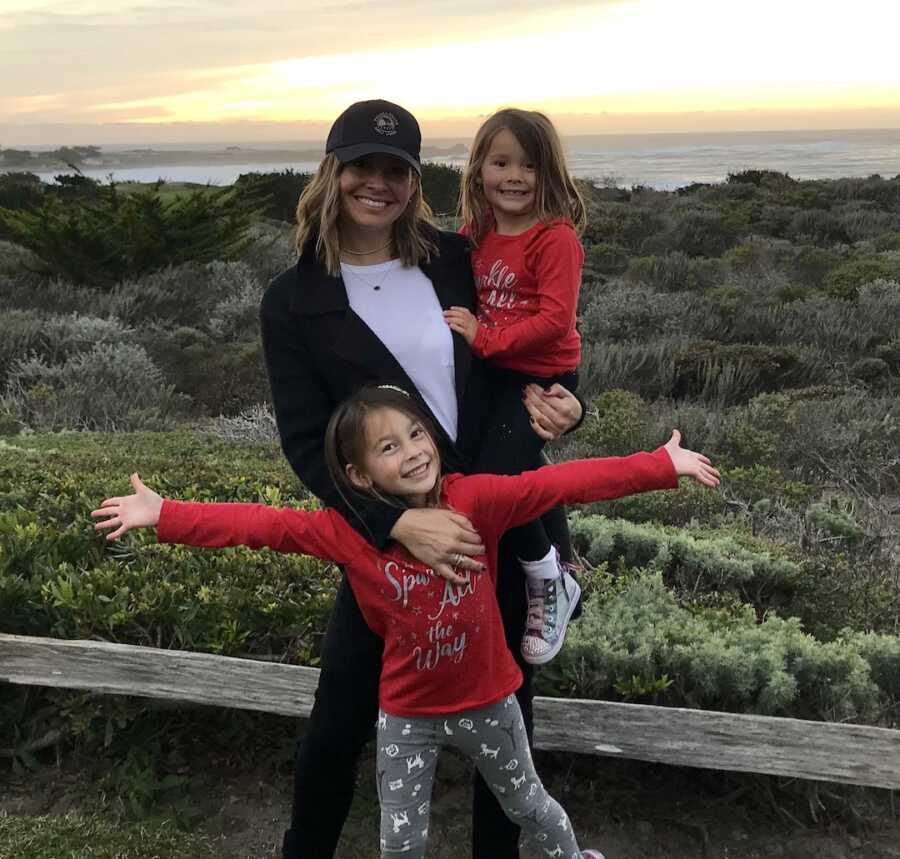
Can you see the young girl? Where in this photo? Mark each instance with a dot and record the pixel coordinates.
(523, 215)
(447, 677)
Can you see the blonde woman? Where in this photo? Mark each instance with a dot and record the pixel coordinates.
(364, 305)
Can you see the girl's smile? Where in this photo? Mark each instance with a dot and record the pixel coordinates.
(399, 457)
(509, 180)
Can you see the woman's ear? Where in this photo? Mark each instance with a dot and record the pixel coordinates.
(357, 478)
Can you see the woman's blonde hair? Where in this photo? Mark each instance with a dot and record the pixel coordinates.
(318, 214)
(557, 197)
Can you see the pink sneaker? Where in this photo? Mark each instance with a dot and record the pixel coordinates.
(591, 854)
(550, 606)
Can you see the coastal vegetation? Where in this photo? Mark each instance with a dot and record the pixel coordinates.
(761, 316)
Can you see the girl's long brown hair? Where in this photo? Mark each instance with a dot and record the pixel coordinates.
(557, 198)
(345, 440)
(318, 213)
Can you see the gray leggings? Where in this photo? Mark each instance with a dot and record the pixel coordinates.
(494, 739)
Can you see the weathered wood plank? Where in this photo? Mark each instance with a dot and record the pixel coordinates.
(852, 754)
(824, 751)
(122, 669)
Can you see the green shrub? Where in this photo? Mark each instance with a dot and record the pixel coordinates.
(695, 232)
(275, 194)
(20, 191)
(614, 425)
(59, 577)
(811, 264)
(440, 187)
(845, 280)
(107, 387)
(112, 236)
(761, 178)
(644, 368)
(219, 379)
(720, 658)
(605, 258)
(669, 273)
(689, 563)
(817, 226)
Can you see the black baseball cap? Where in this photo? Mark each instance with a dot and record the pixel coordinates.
(367, 127)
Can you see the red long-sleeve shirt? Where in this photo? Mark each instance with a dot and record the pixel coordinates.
(527, 299)
(444, 647)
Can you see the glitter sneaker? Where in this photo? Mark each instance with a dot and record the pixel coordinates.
(550, 606)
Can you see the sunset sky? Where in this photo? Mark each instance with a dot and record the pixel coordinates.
(99, 71)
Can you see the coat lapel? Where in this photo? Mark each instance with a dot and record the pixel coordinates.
(353, 341)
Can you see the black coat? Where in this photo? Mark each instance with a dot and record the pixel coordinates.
(318, 352)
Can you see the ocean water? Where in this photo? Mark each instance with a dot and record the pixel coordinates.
(664, 161)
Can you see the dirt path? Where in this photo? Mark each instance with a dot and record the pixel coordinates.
(627, 809)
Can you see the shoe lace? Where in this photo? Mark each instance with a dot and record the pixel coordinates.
(536, 599)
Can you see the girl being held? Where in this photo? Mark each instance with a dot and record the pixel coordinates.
(523, 215)
(447, 676)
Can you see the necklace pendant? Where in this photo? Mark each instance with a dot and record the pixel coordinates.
(376, 288)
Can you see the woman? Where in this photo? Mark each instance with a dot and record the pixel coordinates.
(364, 304)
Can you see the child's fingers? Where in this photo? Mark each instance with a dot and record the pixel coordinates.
(108, 523)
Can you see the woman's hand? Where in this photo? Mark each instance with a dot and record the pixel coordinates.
(133, 511)
(442, 539)
(690, 464)
(461, 320)
(553, 411)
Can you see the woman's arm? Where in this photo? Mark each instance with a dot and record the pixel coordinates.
(303, 407)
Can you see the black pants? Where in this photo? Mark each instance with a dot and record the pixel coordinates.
(510, 446)
(346, 707)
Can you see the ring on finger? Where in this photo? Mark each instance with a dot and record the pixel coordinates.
(457, 559)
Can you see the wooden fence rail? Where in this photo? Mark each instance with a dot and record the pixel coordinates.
(825, 751)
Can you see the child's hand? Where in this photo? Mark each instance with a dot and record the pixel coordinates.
(133, 511)
(690, 464)
(463, 322)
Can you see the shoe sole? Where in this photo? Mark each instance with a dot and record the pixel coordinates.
(545, 658)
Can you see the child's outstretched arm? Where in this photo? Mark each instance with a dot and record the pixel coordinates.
(513, 500)
(140, 510)
(323, 533)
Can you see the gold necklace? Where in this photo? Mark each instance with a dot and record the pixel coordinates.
(367, 253)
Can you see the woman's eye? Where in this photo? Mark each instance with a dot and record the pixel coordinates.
(416, 433)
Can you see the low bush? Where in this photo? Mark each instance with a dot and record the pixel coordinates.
(108, 387)
(635, 642)
(690, 564)
(846, 280)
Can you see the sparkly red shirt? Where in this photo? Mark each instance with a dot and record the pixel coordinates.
(527, 298)
(444, 647)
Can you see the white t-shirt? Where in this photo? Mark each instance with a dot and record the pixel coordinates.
(400, 306)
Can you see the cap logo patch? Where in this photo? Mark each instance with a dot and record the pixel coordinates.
(386, 123)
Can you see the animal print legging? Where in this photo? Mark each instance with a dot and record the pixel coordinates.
(494, 739)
